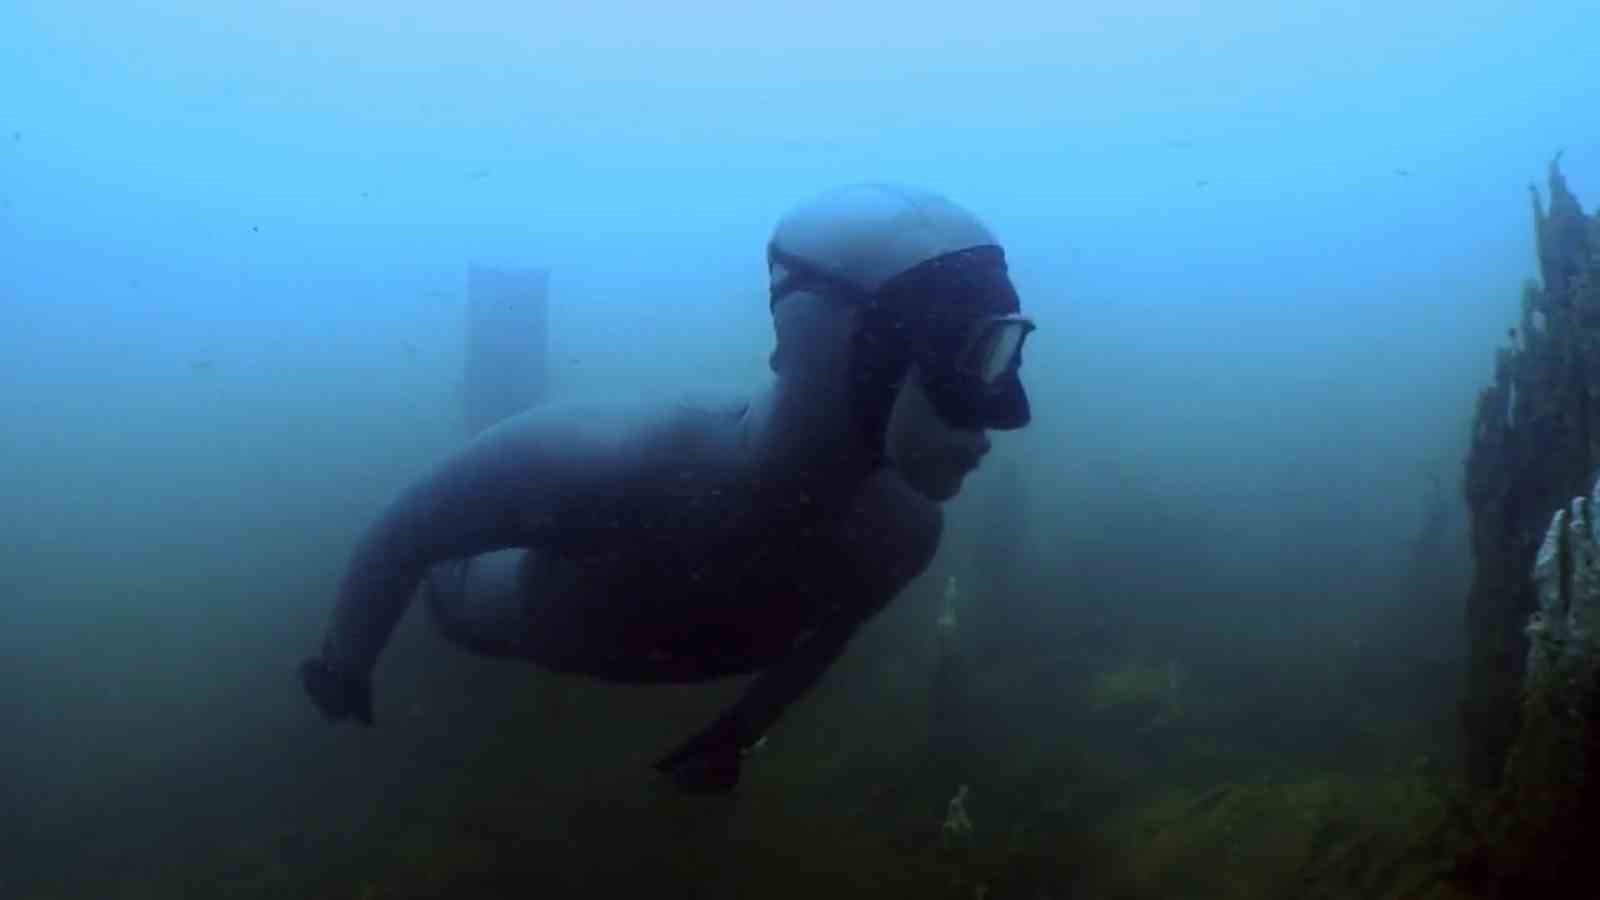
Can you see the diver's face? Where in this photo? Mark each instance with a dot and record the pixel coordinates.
(930, 454)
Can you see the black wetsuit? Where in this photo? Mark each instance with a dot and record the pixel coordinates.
(641, 545)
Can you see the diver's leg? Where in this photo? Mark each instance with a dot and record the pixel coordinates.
(482, 603)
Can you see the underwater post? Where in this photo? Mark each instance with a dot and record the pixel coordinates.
(507, 365)
(1548, 804)
(1535, 443)
(1532, 711)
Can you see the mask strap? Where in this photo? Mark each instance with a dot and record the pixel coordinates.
(800, 275)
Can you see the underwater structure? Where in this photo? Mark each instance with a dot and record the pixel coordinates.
(1542, 817)
(952, 738)
(507, 343)
(1535, 443)
(1009, 614)
(1532, 710)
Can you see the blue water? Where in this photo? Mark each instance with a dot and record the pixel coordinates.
(1271, 249)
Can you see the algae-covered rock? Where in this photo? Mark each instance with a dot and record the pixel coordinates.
(1139, 689)
(1325, 837)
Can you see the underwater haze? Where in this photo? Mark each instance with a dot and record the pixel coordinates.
(1271, 249)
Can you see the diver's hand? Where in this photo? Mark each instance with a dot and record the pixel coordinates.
(339, 695)
(710, 761)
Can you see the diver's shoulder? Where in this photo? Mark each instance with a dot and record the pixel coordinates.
(631, 429)
(583, 425)
(700, 426)
(703, 405)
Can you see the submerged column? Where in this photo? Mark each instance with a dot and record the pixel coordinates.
(507, 369)
(1540, 830)
(1535, 441)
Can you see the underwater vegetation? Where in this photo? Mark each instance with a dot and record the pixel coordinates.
(1325, 837)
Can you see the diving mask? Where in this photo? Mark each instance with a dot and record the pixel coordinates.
(956, 316)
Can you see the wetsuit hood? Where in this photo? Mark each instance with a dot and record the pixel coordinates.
(917, 275)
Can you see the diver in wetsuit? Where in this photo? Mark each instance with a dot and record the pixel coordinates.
(678, 543)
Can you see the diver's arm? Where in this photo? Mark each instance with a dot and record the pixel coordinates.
(891, 553)
(710, 759)
(491, 495)
(893, 540)
(772, 692)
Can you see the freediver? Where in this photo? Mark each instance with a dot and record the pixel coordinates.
(700, 540)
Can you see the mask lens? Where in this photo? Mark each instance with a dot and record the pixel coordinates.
(994, 347)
